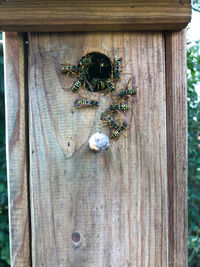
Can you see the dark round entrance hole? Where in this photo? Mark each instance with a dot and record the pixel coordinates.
(100, 69)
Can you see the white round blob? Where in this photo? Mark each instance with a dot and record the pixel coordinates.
(99, 142)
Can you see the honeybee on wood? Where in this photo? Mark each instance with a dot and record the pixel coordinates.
(78, 83)
(80, 80)
(117, 69)
(70, 69)
(118, 132)
(98, 84)
(110, 86)
(84, 62)
(84, 102)
(112, 123)
(102, 64)
(120, 106)
(80, 70)
(124, 93)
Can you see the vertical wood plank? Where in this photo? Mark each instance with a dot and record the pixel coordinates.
(177, 146)
(17, 151)
(117, 200)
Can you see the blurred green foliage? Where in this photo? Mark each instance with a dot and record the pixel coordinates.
(4, 231)
(196, 4)
(193, 62)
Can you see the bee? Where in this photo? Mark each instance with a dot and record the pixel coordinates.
(113, 124)
(117, 133)
(98, 84)
(123, 126)
(120, 106)
(117, 69)
(102, 64)
(75, 69)
(70, 69)
(77, 84)
(81, 103)
(124, 93)
(110, 86)
(84, 62)
(80, 80)
(88, 85)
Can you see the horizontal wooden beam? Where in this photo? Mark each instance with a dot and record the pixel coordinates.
(88, 15)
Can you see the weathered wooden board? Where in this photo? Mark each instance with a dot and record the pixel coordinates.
(17, 151)
(117, 200)
(90, 15)
(177, 147)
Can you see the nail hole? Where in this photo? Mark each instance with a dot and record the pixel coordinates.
(76, 237)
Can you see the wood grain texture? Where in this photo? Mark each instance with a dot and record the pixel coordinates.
(177, 146)
(16, 150)
(117, 200)
(88, 15)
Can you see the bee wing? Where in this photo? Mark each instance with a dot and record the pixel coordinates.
(128, 83)
(76, 104)
(103, 114)
(123, 116)
(90, 86)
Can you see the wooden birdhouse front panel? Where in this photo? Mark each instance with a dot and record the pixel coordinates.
(81, 208)
(71, 206)
(116, 200)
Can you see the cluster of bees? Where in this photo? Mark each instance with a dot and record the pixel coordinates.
(92, 73)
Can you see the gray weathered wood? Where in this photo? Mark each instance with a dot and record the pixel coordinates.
(116, 200)
(128, 203)
(177, 147)
(17, 151)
